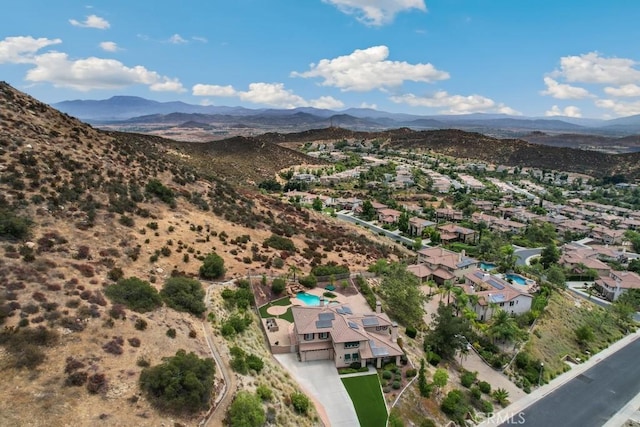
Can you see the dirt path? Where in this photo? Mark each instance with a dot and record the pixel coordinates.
(225, 396)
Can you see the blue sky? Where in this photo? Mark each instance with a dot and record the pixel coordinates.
(542, 58)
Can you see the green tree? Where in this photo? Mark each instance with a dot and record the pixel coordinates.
(184, 294)
(423, 386)
(584, 335)
(417, 244)
(13, 226)
(246, 410)
(180, 384)
(447, 332)
(549, 255)
(504, 327)
(507, 258)
(368, 212)
(440, 378)
(555, 275)
(212, 266)
(403, 222)
(401, 291)
(317, 204)
(135, 293)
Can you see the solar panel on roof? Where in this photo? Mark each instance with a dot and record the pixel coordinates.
(495, 284)
(323, 324)
(378, 351)
(370, 321)
(347, 309)
(497, 298)
(353, 325)
(326, 316)
(340, 310)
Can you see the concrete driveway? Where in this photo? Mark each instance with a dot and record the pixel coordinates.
(319, 379)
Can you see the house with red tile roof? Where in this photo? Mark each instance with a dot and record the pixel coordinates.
(492, 292)
(334, 332)
(617, 283)
(445, 264)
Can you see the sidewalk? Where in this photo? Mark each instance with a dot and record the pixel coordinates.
(516, 407)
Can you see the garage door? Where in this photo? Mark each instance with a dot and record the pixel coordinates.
(324, 354)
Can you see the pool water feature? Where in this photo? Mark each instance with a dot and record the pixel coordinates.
(308, 299)
(487, 266)
(516, 278)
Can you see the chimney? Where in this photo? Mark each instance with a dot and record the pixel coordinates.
(394, 332)
(378, 307)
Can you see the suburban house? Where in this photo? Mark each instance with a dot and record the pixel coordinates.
(617, 283)
(417, 225)
(448, 214)
(388, 216)
(578, 258)
(445, 264)
(334, 332)
(488, 293)
(453, 233)
(606, 235)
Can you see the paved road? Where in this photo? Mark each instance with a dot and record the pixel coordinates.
(524, 253)
(379, 230)
(591, 398)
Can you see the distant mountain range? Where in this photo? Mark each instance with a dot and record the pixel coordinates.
(129, 110)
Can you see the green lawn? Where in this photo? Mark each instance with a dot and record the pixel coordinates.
(367, 399)
(288, 316)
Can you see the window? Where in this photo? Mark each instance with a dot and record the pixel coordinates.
(308, 337)
(352, 344)
(355, 356)
(381, 328)
(323, 335)
(501, 304)
(347, 357)
(511, 304)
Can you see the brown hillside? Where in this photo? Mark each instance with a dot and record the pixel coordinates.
(84, 192)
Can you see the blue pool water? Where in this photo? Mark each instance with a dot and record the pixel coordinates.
(516, 278)
(308, 299)
(486, 266)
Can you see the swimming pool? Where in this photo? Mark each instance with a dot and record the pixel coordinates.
(516, 278)
(308, 299)
(486, 266)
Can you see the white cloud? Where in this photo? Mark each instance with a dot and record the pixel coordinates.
(92, 21)
(455, 104)
(213, 90)
(628, 90)
(95, 73)
(109, 46)
(177, 39)
(593, 68)
(370, 106)
(272, 94)
(200, 39)
(20, 50)
(369, 69)
(376, 12)
(620, 108)
(563, 91)
(570, 111)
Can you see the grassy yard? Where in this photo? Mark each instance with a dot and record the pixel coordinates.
(367, 399)
(554, 335)
(288, 316)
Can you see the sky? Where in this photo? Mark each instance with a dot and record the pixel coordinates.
(519, 57)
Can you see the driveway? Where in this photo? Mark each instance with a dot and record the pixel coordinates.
(319, 379)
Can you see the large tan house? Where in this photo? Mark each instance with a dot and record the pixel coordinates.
(444, 264)
(335, 333)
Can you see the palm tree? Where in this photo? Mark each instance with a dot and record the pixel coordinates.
(501, 396)
(293, 270)
(447, 288)
(461, 299)
(503, 326)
